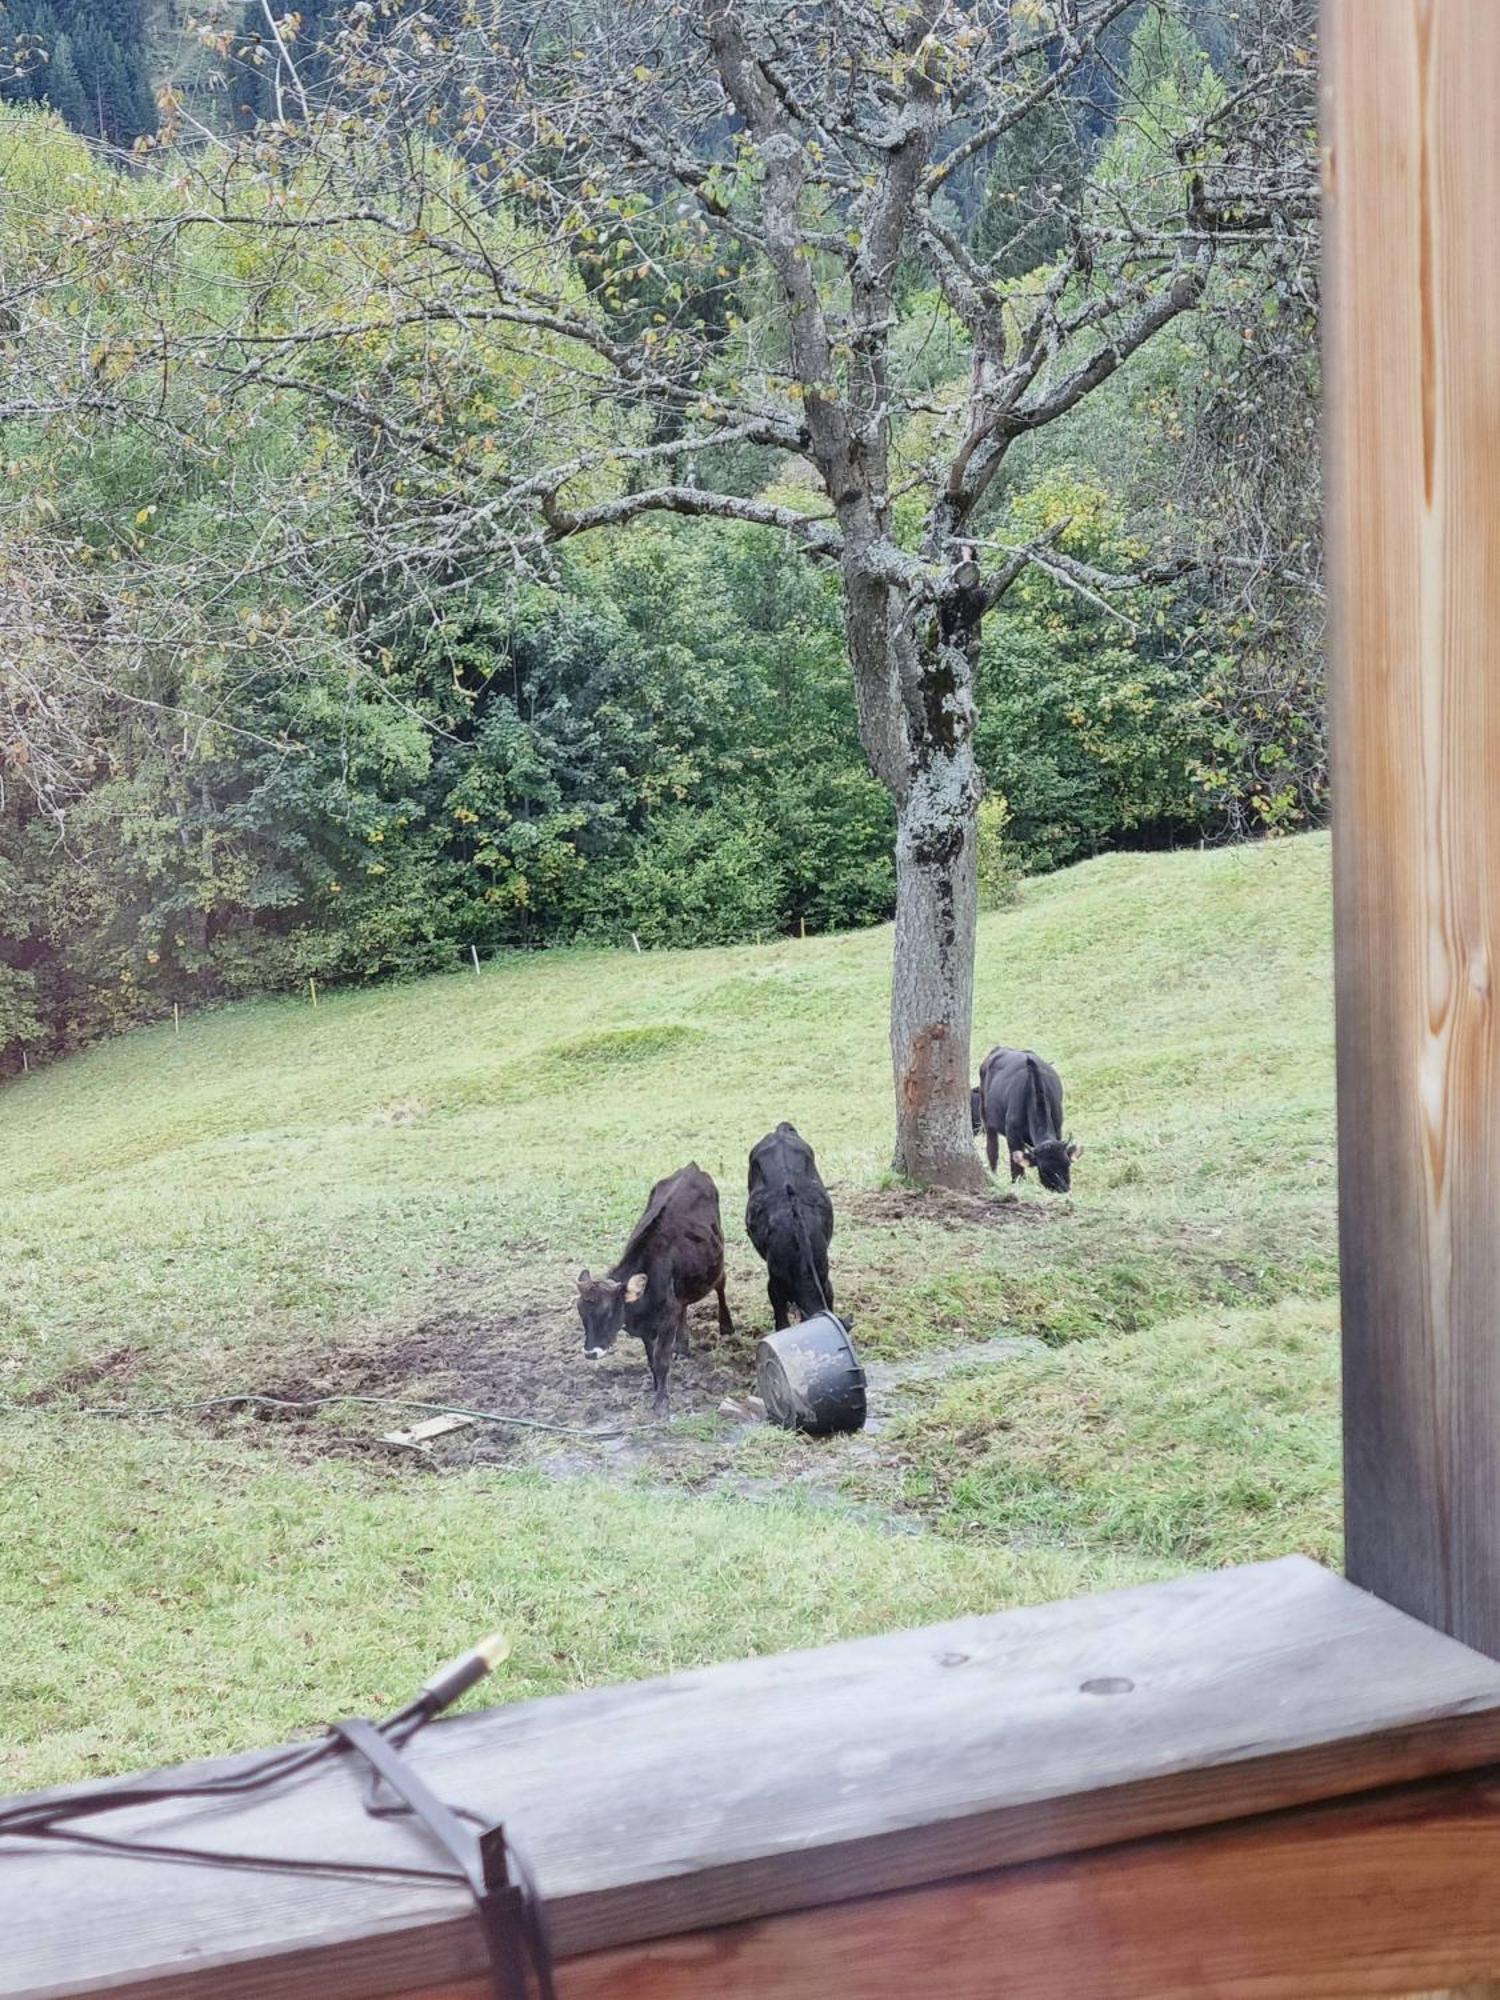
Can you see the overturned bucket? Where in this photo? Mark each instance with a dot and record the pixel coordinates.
(809, 1377)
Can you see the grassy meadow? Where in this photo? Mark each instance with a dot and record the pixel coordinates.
(394, 1190)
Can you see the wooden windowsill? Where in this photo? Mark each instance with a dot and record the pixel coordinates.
(672, 1806)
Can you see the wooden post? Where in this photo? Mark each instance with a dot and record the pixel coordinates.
(1413, 351)
(474, 953)
(312, 991)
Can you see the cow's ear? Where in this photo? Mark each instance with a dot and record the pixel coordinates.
(1022, 1156)
(583, 1279)
(1075, 1151)
(636, 1288)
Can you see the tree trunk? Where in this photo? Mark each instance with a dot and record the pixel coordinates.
(932, 974)
(914, 672)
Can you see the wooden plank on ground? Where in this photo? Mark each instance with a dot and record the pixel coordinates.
(1413, 146)
(1327, 1903)
(698, 1800)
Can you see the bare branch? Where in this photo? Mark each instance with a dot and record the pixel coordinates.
(817, 533)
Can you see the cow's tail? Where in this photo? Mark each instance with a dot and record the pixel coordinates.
(799, 1223)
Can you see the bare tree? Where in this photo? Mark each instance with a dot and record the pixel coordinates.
(581, 207)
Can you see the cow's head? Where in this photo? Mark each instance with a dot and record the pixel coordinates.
(1053, 1160)
(601, 1307)
(976, 1110)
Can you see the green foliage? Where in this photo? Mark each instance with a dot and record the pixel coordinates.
(692, 877)
(999, 876)
(358, 780)
(1036, 173)
(20, 1022)
(1089, 718)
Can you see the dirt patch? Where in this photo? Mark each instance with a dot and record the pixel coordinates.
(948, 1209)
(527, 1365)
(114, 1369)
(572, 1418)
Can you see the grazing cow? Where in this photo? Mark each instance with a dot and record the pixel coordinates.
(789, 1219)
(675, 1256)
(1021, 1096)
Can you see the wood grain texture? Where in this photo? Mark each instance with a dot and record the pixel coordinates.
(1388, 1896)
(1413, 179)
(679, 1804)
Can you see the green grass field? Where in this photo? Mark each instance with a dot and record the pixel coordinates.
(395, 1190)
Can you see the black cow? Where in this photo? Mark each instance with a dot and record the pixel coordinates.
(675, 1256)
(1021, 1096)
(789, 1219)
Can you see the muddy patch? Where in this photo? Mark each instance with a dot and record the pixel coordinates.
(102, 1372)
(527, 1368)
(593, 1420)
(948, 1209)
(538, 1404)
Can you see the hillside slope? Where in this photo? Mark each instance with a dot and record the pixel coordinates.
(393, 1192)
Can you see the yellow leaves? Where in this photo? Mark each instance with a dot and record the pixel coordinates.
(145, 515)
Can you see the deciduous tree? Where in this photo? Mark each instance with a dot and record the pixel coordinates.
(577, 185)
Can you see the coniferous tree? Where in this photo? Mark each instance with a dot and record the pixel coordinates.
(1034, 183)
(63, 86)
(91, 64)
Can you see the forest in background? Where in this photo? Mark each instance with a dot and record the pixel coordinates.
(226, 768)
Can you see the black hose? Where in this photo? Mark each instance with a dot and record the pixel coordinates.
(260, 1401)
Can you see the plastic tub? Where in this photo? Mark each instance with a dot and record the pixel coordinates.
(810, 1379)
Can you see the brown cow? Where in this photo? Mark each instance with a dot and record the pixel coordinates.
(675, 1256)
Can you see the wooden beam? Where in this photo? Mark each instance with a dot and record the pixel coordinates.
(1383, 1896)
(1413, 354)
(686, 1804)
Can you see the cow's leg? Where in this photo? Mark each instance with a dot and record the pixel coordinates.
(659, 1358)
(726, 1324)
(778, 1304)
(992, 1148)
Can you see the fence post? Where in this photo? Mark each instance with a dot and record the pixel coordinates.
(1412, 166)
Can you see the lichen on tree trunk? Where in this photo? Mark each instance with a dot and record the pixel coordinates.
(914, 668)
(932, 975)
